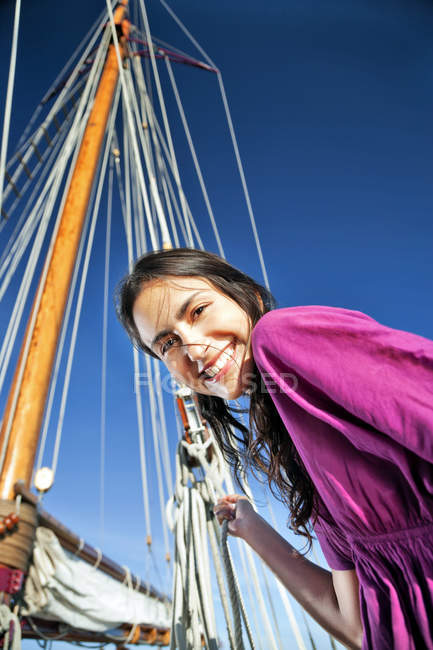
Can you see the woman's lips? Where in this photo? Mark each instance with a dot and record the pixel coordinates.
(226, 367)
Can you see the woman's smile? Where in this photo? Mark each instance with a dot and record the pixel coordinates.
(219, 366)
(201, 334)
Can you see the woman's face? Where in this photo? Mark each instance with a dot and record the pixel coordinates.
(201, 334)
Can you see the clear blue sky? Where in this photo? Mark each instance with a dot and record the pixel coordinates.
(332, 104)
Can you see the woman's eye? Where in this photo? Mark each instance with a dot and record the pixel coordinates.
(199, 310)
(167, 344)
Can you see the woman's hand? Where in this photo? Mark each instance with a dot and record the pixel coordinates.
(238, 511)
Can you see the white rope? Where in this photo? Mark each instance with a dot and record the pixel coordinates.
(29, 146)
(284, 597)
(192, 582)
(104, 351)
(92, 31)
(43, 128)
(282, 591)
(59, 352)
(127, 189)
(80, 546)
(186, 214)
(215, 548)
(194, 156)
(239, 644)
(30, 151)
(139, 406)
(129, 116)
(98, 558)
(172, 199)
(27, 223)
(164, 116)
(194, 227)
(264, 575)
(142, 447)
(9, 93)
(168, 474)
(65, 324)
(232, 135)
(131, 100)
(139, 227)
(148, 117)
(243, 180)
(58, 138)
(10, 626)
(19, 305)
(79, 304)
(271, 642)
(155, 432)
(149, 167)
(76, 128)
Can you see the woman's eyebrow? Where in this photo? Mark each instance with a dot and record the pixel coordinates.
(179, 315)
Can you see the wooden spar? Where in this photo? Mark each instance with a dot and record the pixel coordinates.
(24, 413)
(72, 542)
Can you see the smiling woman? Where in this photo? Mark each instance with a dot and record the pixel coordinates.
(347, 446)
(201, 334)
(196, 312)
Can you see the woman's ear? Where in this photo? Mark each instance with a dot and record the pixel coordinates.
(259, 298)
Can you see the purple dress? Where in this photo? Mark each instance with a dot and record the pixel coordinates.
(357, 400)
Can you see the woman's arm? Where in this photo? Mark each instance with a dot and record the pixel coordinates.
(330, 598)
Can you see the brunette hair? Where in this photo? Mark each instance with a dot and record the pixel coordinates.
(265, 447)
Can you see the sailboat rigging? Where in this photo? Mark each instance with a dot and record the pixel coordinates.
(99, 125)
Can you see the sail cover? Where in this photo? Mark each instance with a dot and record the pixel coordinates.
(61, 587)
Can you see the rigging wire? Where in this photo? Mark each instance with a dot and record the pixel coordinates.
(104, 351)
(101, 18)
(194, 156)
(17, 243)
(129, 116)
(165, 118)
(232, 135)
(141, 247)
(59, 352)
(65, 325)
(151, 178)
(9, 93)
(164, 437)
(57, 175)
(282, 591)
(270, 643)
(89, 92)
(42, 130)
(79, 304)
(33, 150)
(138, 399)
(188, 218)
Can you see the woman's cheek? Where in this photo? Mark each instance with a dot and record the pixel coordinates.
(181, 375)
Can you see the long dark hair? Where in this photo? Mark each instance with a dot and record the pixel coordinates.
(265, 447)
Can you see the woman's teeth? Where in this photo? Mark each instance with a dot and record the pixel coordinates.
(219, 364)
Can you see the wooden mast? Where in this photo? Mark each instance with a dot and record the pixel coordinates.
(24, 413)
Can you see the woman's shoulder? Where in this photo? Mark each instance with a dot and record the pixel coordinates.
(302, 319)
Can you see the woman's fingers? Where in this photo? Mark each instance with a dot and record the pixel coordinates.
(224, 511)
(232, 498)
(235, 508)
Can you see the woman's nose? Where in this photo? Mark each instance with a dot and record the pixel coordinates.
(195, 350)
(194, 347)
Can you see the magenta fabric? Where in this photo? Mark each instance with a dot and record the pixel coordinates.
(357, 400)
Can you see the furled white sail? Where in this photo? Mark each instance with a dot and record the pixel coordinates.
(62, 587)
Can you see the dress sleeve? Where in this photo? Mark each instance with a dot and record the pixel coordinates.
(334, 547)
(380, 375)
